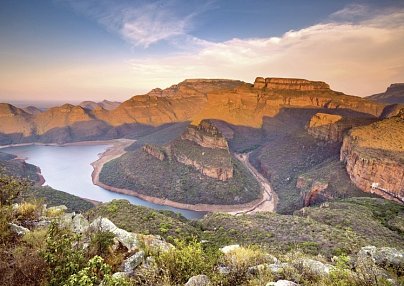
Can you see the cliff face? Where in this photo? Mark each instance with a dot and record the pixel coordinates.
(154, 151)
(206, 135)
(374, 157)
(331, 127)
(205, 149)
(289, 84)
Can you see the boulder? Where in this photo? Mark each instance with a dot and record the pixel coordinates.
(229, 248)
(127, 239)
(156, 243)
(19, 230)
(133, 261)
(282, 283)
(313, 267)
(384, 257)
(275, 268)
(199, 280)
(79, 224)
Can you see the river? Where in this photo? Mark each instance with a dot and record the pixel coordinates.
(68, 169)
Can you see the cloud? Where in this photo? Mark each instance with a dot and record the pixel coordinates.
(142, 23)
(360, 58)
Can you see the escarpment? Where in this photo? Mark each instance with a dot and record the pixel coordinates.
(204, 148)
(332, 127)
(289, 84)
(374, 157)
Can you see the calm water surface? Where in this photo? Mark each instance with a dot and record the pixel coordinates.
(67, 168)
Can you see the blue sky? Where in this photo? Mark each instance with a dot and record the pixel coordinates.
(71, 50)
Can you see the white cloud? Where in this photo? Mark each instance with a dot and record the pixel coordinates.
(359, 58)
(142, 23)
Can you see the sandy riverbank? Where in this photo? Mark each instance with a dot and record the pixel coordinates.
(266, 203)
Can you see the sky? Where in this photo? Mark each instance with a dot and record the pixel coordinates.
(74, 50)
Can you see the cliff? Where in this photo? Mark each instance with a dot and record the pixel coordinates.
(154, 151)
(289, 84)
(394, 94)
(332, 127)
(374, 157)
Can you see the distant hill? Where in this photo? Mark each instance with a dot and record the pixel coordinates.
(393, 95)
(105, 104)
(32, 110)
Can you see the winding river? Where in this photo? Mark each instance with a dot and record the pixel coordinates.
(68, 168)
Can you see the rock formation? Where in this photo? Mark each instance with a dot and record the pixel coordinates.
(374, 157)
(289, 84)
(204, 148)
(154, 151)
(310, 189)
(331, 127)
(206, 135)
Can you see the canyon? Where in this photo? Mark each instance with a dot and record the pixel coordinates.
(201, 123)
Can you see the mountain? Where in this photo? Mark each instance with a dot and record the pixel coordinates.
(32, 110)
(393, 95)
(232, 101)
(105, 104)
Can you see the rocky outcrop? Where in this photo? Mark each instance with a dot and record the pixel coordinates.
(206, 135)
(374, 157)
(272, 83)
(310, 189)
(205, 149)
(154, 151)
(331, 127)
(222, 173)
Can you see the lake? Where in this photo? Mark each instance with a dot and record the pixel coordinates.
(68, 169)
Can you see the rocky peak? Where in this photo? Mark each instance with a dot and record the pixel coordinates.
(206, 134)
(10, 110)
(289, 84)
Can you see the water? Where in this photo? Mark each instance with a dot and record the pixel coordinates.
(67, 168)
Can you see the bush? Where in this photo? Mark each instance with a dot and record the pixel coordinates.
(186, 260)
(63, 254)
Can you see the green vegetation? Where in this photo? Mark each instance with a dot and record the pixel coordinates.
(143, 220)
(171, 180)
(341, 227)
(18, 168)
(54, 197)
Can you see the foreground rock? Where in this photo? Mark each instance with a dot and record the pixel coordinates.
(282, 283)
(199, 280)
(127, 239)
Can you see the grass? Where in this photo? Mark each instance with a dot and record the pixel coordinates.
(343, 227)
(53, 197)
(139, 219)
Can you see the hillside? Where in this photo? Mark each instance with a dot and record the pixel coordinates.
(394, 94)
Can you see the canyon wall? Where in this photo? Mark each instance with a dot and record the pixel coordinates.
(289, 84)
(374, 157)
(331, 127)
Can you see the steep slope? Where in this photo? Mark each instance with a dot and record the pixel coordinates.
(393, 95)
(32, 110)
(374, 157)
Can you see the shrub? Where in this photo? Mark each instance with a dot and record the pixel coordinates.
(186, 260)
(100, 243)
(62, 254)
